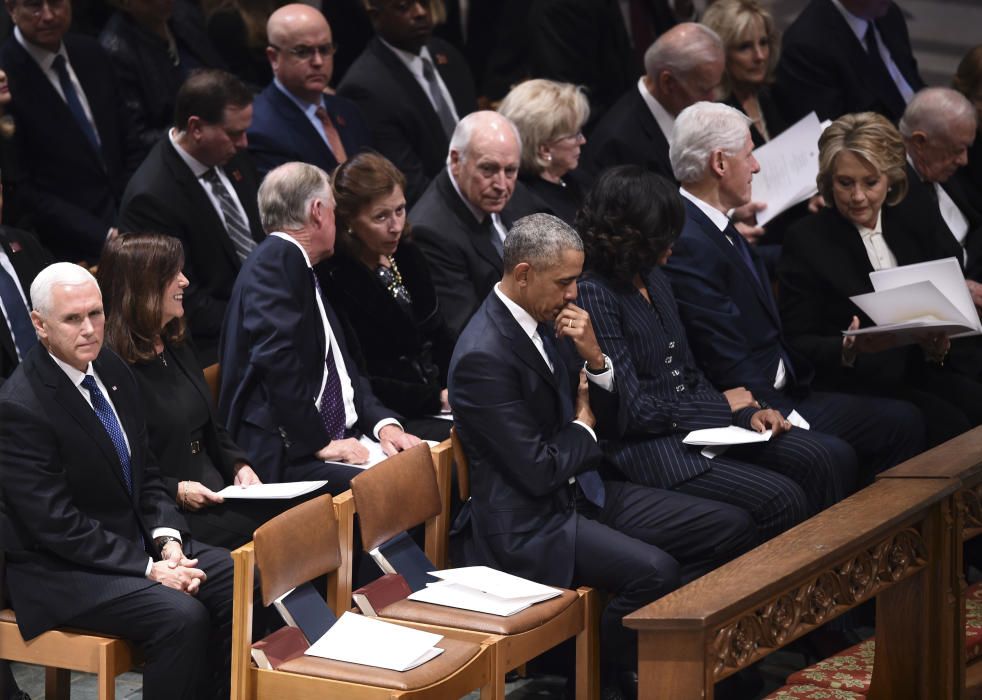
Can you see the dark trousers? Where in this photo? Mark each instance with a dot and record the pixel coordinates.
(186, 640)
(646, 542)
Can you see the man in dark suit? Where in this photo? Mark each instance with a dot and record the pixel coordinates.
(291, 396)
(529, 387)
(199, 186)
(461, 220)
(292, 118)
(21, 259)
(88, 529)
(728, 307)
(412, 89)
(637, 128)
(844, 56)
(76, 146)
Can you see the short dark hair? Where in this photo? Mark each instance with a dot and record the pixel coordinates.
(206, 93)
(628, 220)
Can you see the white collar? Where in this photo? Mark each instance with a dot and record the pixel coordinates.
(718, 218)
(478, 213)
(294, 241)
(303, 105)
(74, 376)
(414, 62)
(44, 58)
(524, 319)
(856, 24)
(197, 167)
(877, 228)
(665, 121)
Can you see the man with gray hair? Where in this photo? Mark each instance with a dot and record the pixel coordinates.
(531, 390)
(291, 395)
(461, 220)
(730, 313)
(92, 537)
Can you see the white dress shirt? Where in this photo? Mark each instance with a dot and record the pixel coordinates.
(309, 110)
(199, 169)
(9, 267)
(666, 122)
(479, 214)
(414, 63)
(879, 253)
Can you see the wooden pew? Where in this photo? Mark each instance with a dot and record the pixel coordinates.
(889, 541)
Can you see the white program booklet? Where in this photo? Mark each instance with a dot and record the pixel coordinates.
(369, 641)
(375, 453)
(483, 589)
(286, 489)
(788, 168)
(730, 435)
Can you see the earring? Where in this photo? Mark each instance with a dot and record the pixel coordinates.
(548, 157)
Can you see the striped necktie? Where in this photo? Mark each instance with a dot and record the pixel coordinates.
(236, 226)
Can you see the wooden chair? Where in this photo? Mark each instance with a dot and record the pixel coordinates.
(63, 651)
(399, 494)
(293, 548)
(213, 378)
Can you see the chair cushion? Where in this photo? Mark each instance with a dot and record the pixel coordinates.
(429, 614)
(813, 692)
(973, 622)
(456, 654)
(850, 669)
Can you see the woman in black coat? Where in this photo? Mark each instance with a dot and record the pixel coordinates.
(378, 282)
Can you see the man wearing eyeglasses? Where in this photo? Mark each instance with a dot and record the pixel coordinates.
(76, 144)
(294, 120)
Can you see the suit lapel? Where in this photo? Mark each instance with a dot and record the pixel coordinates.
(478, 238)
(302, 130)
(652, 133)
(520, 342)
(421, 104)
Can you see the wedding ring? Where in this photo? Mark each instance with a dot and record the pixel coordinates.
(570, 324)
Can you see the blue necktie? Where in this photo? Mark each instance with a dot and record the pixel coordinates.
(331, 408)
(74, 104)
(19, 319)
(590, 482)
(108, 419)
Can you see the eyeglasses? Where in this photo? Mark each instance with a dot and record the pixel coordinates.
(570, 137)
(301, 52)
(36, 7)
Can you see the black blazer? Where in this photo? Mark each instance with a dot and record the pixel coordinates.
(773, 118)
(404, 126)
(405, 357)
(522, 449)
(74, 537)
(71, 191)
(281, 133)
(627, 134)
(825, 68)
(272, 358)
(462, 259)
(164, 196)
(28, 258)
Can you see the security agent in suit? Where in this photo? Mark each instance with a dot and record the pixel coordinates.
(412, 89)
(82, 505)
(531, 391)
(292, 118)
(21, 259)
(728, 307)
(199, 186)
(461, 221)
(76, 145)
(291, 396)
(844, 56)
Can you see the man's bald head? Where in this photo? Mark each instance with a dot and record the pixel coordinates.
(301, 50)
(485, 152)
(684, 66)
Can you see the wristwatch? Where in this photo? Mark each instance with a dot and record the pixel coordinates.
(160, 542)
(605, 368)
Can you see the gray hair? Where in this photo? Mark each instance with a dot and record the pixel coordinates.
(59, 274)
(682, 49)
(468, 126)
(933, 110)
(539, 239)
(286, 193)
(701, 129)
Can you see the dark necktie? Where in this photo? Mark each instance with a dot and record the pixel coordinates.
(443, 110)
(18, 317)
(74, 104)
(886, 87)
(237, 227)
(590, 482)
(331, 408)
(487, 225)
(108, 419)
(333, 137)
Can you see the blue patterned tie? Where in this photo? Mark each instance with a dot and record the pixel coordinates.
(74, 104)
(19, 319)
(108, 419)
(331, 408)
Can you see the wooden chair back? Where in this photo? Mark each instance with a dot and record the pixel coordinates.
(460, 460)
(213, 378)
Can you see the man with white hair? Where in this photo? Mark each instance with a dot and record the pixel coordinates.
(728, 307)
(461, 220)
(92, 538)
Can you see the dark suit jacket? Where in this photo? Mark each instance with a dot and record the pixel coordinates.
(509, 412)
(28, 258)
(824, 67)
(281, 133)
(462, 259)
(404, 126)
(732, 321)
(773, 117)
(164, 196)
(272, 358)
(74, 537)
(71, 192)
(405, 355)
(665, 393)
(823, 263)
(628, 134)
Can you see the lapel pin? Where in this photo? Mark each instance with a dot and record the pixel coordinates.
(15, 247)
(340, 120)
(236, 175)
(114, 388)
(441, 59)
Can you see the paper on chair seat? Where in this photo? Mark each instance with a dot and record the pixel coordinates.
(730, 435)
(375, 452)
(369, 641)
(455, 595)
(499, 583)
(286, 489)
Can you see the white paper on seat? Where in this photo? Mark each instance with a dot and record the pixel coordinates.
(730, 435)
(286, 489)
(788, 168)
(454, 595)
(499, 583)
(369, 641)
(375, 452)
